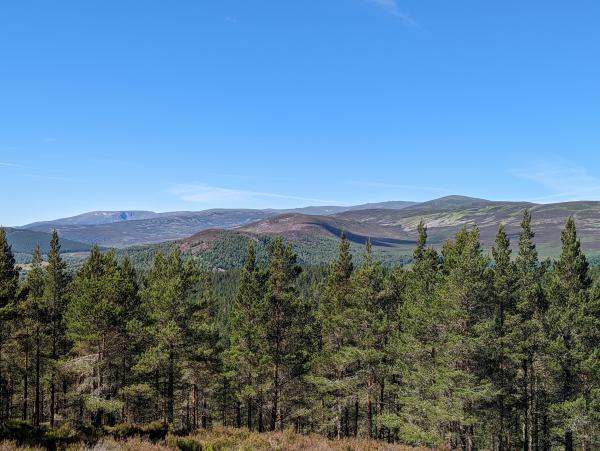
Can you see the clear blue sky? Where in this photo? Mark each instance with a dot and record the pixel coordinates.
(187, 105)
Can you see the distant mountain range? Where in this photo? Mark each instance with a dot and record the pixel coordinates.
(391, 226)
(129, 228)
(394, 232)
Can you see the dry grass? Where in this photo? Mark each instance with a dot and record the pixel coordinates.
(12, 446)
(242, 439)
(221, 439)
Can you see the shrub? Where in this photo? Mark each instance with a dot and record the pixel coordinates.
(184, 443)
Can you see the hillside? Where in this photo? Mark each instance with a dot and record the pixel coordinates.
(94, 217)
(157, 229)
(24, 241)
(444, 222)
(393, 232)
(136, 227)
(215, 235)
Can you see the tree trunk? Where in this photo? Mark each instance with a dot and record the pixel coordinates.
(249, 415)
(52, 381)
(568, 440)
(356, 418)
(195, 407)
(346, 422)
(370, 417)
(171, 389)
(26, 382)
(275, 405)
(36, 417)
(238, 415)
(261, 426)
(526, 406)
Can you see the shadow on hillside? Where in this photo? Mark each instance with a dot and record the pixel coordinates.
(361, 239)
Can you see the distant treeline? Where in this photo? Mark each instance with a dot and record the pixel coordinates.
(458, 349)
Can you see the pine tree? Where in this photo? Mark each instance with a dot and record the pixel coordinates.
(416, 350)
(282, 316)
(55, 294)
(568, 295)
(499, 344)
(166, 295)
(337, 364)
(531, 311)
(93, 321)
(246, 358)
(9, 276)
(466, 295)
(33, 315)
(373, 309)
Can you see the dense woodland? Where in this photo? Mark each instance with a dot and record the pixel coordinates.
(460, 349)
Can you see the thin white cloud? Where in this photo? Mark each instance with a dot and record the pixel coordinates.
(564, 182)
(391, 7)
(9, 165)
(208, 194)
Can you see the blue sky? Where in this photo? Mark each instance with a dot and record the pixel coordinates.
(190, 105)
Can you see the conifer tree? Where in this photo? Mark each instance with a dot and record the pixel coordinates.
(568, 295)
(166, 296)
(374, 310)
(465, 293)
(55, 295)
(9, 276)
(531, 311)
(283, 321)
(416, 350)
(246, 359)
(337, 364)
(93, 321)
(33, 313)
(500, 343)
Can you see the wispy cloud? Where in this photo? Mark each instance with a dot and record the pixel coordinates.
(9, 165)
(564, 181)
(391, 7)
(208, 194)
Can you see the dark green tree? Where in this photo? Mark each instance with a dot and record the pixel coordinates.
(9, 277)
(246, 357)
(568, 295)
(166, 295)
(499, 344)
(531, 310)
(93, 318)
(283, 321)
(336, 367)
(55, 295)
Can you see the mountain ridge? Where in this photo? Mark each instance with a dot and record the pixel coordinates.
(391, 229)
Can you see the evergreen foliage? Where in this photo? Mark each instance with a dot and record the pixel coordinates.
(460, 349)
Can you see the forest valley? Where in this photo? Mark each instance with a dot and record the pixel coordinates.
(461, 349)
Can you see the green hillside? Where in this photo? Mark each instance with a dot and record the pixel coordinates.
(24, 242)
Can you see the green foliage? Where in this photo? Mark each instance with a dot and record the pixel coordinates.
(461, 349)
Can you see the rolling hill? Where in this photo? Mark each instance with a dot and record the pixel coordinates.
(121, 229)
(156, 229)
(24, 242)
(393, 232)
(219, 236)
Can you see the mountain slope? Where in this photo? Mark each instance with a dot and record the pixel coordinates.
(94, 218)
(160, 228)
(24, 241)
(393, 232)
(128, 228)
